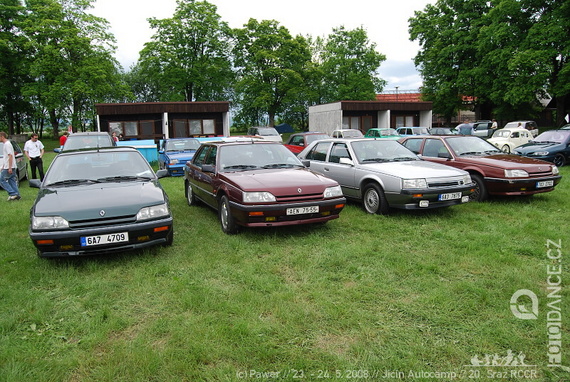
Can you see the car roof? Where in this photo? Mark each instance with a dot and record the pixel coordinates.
(96, 150)
(240, 141)
(83, 133)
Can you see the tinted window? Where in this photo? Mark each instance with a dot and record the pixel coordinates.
(339, 150)
(414, 145)
(319, 152)
(200, 155)
(434, 147)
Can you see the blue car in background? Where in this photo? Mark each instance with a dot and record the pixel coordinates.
(174, 153)
(552, 146)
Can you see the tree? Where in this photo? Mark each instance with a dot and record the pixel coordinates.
(270, 64)
(188, 58)
(348, 66)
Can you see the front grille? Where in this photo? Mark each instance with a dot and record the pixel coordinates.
(103, 222)
(447, 182)
(299, 198)
(540, 174)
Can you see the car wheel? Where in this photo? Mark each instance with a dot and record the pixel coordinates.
(506, 149)
(480, 194)
(169, 239)
(559, 160)
(374, 200)
(227, 221)
(190, 197)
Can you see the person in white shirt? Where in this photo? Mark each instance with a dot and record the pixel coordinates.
(34, 150)
(9, 172)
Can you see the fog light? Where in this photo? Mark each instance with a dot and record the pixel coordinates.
(270, 218)
(143, 238)
(424, 203)
(325, 213)
(65, 247)
(464, 199)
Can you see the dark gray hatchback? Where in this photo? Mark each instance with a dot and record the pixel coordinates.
(99, 201)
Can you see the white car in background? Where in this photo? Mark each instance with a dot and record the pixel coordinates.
(267, 133)
(507, 139)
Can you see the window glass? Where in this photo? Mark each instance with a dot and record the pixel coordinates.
(131, 128)
(195, 127)
(338, 151)
(413, 145)
(319, 152)
(147, 127)
(434, 147)
(200, 155)
(209, 126)
(180, 128)
(211, 157)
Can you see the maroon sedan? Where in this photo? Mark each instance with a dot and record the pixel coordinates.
(494, 172)
(254, 183)
(297, 142)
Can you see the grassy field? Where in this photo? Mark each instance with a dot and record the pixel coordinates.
(412, 295)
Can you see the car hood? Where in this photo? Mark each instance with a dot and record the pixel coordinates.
(85, 202)
(280, 182)
(506, 161)
(413, 169)
(181, 155)
(531, 147)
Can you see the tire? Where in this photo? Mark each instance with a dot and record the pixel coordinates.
(374, 200)
(559, 160)
(190, 197)
(169, 239)
(480, 194)
(227, 221)
(506, 149)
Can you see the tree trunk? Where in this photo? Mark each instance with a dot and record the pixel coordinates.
(561, 110)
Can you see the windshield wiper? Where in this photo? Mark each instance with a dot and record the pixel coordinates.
(240, 166)
(123, 177)
(403, 159)
(376, 160)
(280, 165)
(493, 151)
(72, 182)
(471, 153)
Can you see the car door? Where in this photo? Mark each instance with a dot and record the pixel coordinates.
(20, 160)
(343, 173)
(435, 150)
(202, 180)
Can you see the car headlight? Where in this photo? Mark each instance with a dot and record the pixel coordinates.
(333, 192)
(467, 179)
(555, 170)
(516, 174)
(540, 153)
(48, 222)
(173, 161)
(414, 183)
(153, 212)
(258, 197)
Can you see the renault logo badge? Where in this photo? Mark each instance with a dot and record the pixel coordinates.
(299, 190)
(102, 213)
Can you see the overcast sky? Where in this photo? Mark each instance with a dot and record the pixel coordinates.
(385, 21)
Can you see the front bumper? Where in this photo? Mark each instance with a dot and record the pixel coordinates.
(68, 242)
(520, 186)
(429, 198)
(268, 215)
(176, 170)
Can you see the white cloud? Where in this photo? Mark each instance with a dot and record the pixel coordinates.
(386, 23)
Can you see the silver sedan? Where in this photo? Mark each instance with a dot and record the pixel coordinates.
(382, 173)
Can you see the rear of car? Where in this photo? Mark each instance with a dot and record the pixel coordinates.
(267, 133)
(88, 140)
(174, 153)
(21, 161)
(99, 201)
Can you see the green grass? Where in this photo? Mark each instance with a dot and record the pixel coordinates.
(413, 291)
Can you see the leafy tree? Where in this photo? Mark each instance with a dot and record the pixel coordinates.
(270, 67)
(348, 65)
(188, 58)
(13, 63)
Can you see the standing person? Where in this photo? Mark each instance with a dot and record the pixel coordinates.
(114, 136)
(8, 174)
(63, 138)
(494, 124)
(34, 150)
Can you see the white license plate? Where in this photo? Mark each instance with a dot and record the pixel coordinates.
(108, 238)
(545, 183)
(450, 196)
(302, 210)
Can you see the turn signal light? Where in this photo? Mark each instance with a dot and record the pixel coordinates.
(256, 213)
(161, 229)
(44, 242)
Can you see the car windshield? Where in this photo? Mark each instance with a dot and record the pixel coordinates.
(370, 151)
(502, 134)
(352, 134)
(471, 146)
(97, 167)
(256, 156)
(182, 145)
(75, 142)
(553, 136)
(315, 137)
(388, 132)
(267, 132)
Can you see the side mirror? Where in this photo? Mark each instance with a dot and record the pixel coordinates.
(347, 161)
(208, 168)
(161, 151)
(162, 173)
(306, 163)
(34, 183)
